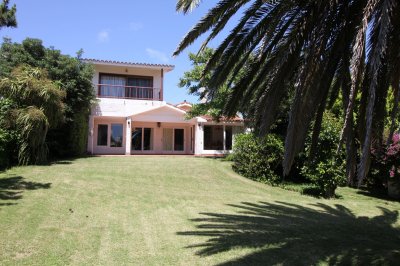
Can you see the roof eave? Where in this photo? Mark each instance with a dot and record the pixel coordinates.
(166, 68)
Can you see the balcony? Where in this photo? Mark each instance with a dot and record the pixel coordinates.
(128, 92)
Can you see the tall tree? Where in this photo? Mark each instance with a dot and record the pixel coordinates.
(307, 49)
(38, 107)
(75, 77)
(7, 15)
(198, 84)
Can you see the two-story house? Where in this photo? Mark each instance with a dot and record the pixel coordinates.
(131, 116)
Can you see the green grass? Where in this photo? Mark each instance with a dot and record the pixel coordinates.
(182, 211)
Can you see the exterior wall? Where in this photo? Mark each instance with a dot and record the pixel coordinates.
(237, 129)
(133, 113)
(129, 71)
(123, 107)
(158, 137)
(107, 149)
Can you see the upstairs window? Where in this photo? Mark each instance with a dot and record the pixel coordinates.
(119, 86)
(112, 86)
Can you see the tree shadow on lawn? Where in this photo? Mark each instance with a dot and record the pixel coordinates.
(11, 188)
(290, 234)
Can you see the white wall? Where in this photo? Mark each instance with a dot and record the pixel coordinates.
(107, 149)
(125, 107)
(130, 71)
(237, 128)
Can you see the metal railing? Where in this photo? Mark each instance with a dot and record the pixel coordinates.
(128, 92)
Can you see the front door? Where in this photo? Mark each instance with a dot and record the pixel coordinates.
(173, 140)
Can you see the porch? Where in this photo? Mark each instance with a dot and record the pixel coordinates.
(161, 130)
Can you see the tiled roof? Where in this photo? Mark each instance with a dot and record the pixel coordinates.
(223, 118)
(186, 106)
(91, 60)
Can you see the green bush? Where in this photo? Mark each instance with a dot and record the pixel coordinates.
(72, 75)
(327, 169)
(8, 136)
(256, 158)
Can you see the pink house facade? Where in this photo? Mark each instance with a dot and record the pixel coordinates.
(131, 117)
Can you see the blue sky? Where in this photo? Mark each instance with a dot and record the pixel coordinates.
(139, 31)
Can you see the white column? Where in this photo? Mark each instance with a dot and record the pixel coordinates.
(198, 143)
(90, 135)
(128, 136)
(224, 137)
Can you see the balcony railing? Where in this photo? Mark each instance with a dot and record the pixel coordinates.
(128, 92)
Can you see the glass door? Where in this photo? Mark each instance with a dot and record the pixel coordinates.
(173, 139)
(142, 139)
(168, 139)
(178, 139)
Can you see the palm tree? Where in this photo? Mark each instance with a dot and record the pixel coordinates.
(39, 107)
(308, 50)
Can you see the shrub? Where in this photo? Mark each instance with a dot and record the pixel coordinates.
(8, 136)
(256, 158)
(327, 169)
(386, 164)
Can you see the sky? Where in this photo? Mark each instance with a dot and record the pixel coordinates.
(123, 30)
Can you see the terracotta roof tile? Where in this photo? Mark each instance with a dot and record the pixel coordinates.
(224, 119)
(91, 60)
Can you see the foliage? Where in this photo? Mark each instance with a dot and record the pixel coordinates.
(392, 157)
(257, 158)
(8, 134)
(38, 107)
(325, 167)
(7, 15)
(72, 75)
(305, 49)
(197, 83)
(386, 162)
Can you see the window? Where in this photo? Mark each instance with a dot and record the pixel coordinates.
(119, 86)
(173, 139)
(116, 135)
(102, 132)
(112, 86)
(213, 138)
(168, 134)
(137, 139)
(178, 139)
(147, 139)
(142, 139)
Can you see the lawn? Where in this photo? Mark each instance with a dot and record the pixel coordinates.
(182, 211)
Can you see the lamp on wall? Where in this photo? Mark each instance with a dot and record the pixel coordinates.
(158, 124)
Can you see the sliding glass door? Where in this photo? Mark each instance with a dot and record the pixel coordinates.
(142, 139)
(168, 134)
(173, 139)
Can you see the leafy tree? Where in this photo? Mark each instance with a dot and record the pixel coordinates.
(7, 15)
(39, 106)
(197, 83)
(306, 49)
(73, 76)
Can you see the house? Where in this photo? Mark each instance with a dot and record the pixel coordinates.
(131, 116)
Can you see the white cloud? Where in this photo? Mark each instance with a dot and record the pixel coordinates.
(160, 56)
(135, 26)
(103, 36)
